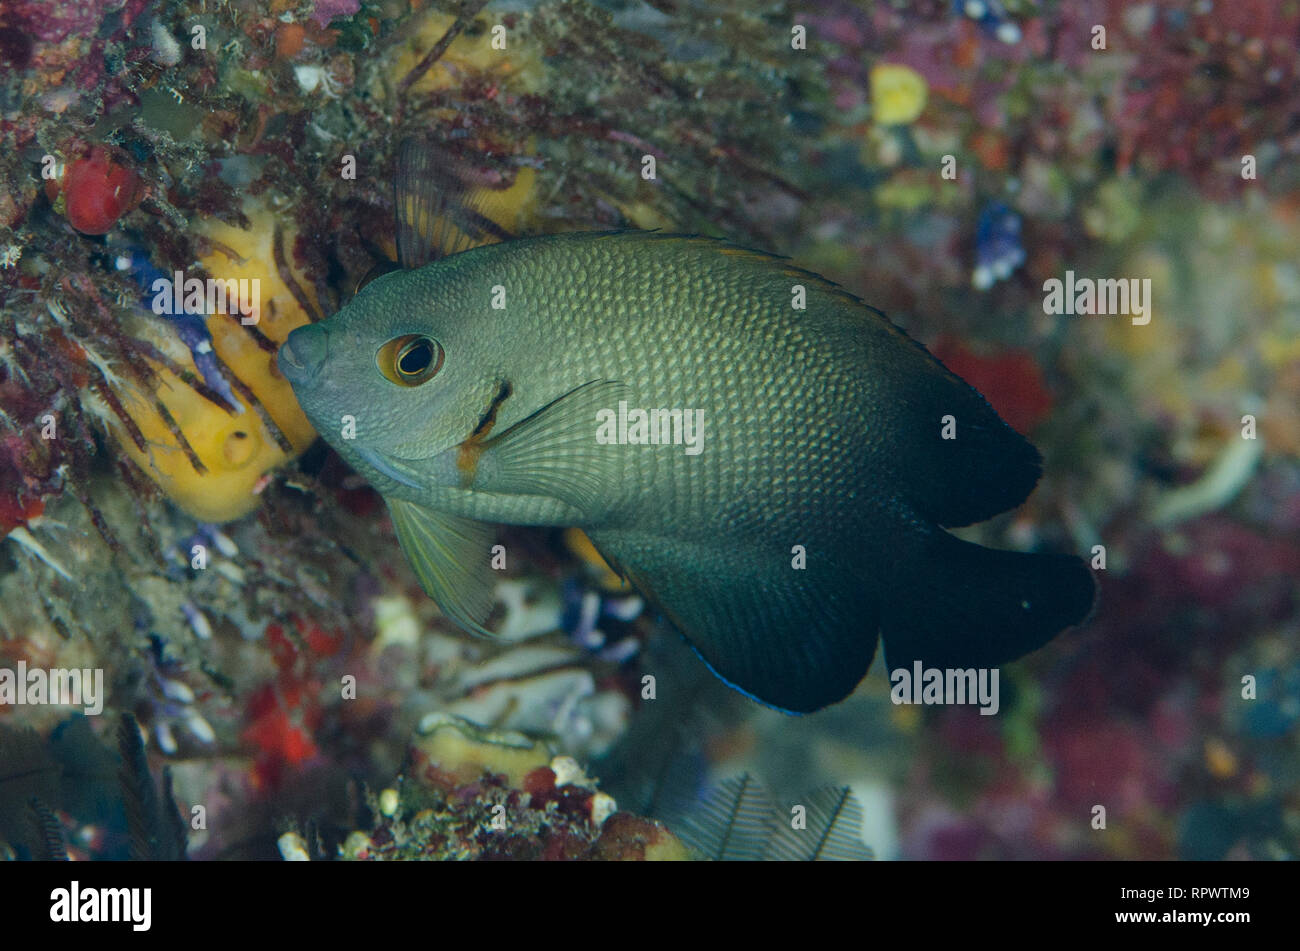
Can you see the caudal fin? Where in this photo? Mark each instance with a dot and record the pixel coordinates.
(957, 604)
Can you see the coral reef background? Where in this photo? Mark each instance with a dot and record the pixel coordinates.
(167, 517)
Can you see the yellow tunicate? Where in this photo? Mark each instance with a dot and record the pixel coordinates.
(278, 314)
(237, 450)
(466, 751)
(518, 65)
(898, 94)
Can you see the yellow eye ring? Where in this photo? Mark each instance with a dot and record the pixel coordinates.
(410, 360)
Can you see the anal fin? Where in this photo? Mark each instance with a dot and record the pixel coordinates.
(795, 640)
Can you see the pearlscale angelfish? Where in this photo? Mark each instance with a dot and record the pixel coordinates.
(500, 385)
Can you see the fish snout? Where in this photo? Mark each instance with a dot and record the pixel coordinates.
(303, 353)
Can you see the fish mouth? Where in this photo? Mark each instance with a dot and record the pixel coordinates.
(390, 467)
(303, 353)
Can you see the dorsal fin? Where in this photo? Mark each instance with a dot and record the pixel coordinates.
(439, 208)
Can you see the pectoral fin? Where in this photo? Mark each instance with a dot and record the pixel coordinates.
(450, 555)
(554, 452)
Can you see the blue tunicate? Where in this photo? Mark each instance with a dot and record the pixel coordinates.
(998, 250)
(584, 609)
(190, 326)
(991, 17)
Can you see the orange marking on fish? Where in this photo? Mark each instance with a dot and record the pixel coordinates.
(472, 448)
(467, 461)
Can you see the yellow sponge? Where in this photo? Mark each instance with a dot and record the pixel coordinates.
(237, 450)
(518, 66)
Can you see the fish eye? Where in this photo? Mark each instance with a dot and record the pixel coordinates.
(410, 360)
